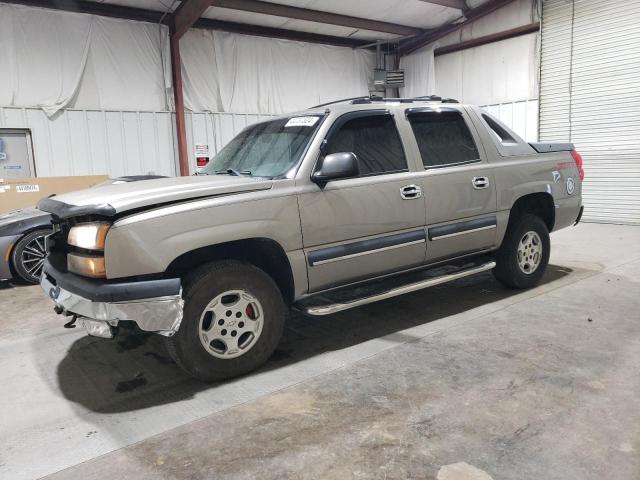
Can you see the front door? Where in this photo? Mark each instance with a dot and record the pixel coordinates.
(458, 183)
(360, 227)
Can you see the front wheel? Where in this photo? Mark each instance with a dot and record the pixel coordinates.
(28, 256)
(524, 254)
(233, 321)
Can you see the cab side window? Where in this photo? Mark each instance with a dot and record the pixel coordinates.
(375, 141)
(443, 138)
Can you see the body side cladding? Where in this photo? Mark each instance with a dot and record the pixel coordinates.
(323, 255)
(468, 226)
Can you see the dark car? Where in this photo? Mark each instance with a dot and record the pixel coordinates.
(22, 235)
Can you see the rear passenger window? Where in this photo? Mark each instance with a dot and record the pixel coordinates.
(443, 138)
(375, 141)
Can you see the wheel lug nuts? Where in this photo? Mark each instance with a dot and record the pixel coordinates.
(241, 324)
(238, 314)
(220, 322)
(234, 333)
(228, 314)
(223, 332)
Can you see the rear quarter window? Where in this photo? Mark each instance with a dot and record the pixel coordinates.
(443, 138)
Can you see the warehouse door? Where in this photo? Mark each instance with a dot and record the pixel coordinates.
(590, 95)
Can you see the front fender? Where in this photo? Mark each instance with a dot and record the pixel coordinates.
(147, 243)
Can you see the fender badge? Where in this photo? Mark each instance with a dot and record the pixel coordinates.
(556, 176)
(570, 186)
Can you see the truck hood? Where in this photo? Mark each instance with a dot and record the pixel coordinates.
(111, 200)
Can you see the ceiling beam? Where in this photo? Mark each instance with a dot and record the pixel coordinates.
(95, 8)
(459, 4)
(152, 16)
(486, 39)
(413, 44)
(286, 11)
(187, 13)
(259, 31)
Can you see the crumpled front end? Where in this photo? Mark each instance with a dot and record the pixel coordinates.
(154, 305)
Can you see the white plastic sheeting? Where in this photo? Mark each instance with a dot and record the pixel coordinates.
(43, 56)
(126, 69)
(90, 142)
(496, 73)
(61, 60)
(241, 73)
(419, 73)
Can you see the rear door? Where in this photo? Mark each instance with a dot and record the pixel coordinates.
(361, 227)
(459, 184)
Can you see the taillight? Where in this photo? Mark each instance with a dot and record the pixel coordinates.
(578, 159)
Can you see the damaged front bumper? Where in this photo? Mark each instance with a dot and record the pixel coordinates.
(154, 305)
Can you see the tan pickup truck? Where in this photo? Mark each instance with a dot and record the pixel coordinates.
(389, 195)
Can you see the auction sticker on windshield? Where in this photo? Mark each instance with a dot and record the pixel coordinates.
(302, 122)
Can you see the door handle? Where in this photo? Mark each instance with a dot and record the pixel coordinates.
(480, 182)
(410, 192)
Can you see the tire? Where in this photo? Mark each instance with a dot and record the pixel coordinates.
(248, 305)
(524, 254)
(28, 256)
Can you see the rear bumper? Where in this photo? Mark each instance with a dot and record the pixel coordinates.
(6, 244)
(154, 305)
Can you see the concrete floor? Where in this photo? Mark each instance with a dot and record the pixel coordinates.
(463, 381)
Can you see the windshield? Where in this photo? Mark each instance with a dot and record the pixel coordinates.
(268, 149)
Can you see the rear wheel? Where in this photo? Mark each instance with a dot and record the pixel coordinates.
(524, 254)
(28, 256)
(233, 320)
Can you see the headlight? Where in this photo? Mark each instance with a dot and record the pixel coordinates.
(86, 265)
(90, 236)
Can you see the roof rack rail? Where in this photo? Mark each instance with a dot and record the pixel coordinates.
(377, 98)
(426, 98)
(339, 101)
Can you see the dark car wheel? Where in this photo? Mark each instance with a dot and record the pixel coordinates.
(524, 254)
(233, 320)
(28, 256)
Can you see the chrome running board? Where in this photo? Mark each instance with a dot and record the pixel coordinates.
(394, 292)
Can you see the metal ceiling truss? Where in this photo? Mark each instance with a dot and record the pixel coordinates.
(470, 16)
(297, 13)
(152, 16)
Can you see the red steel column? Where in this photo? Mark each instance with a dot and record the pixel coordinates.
(181, 129)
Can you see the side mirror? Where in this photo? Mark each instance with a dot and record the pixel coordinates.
(336, 166)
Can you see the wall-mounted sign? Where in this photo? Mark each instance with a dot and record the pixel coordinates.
(27, 188)
(202, 155)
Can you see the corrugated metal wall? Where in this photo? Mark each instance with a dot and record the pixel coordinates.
(521, 117)
(590, 91)
(89, 142)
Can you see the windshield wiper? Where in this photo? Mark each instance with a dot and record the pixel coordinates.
(235, 173)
